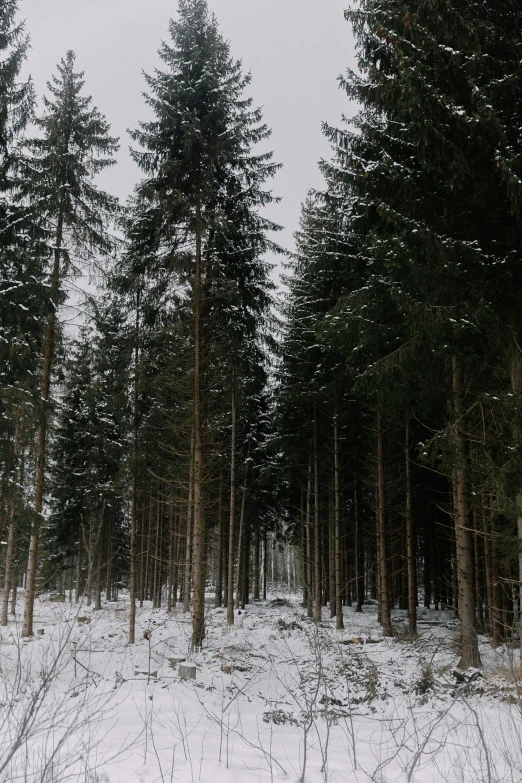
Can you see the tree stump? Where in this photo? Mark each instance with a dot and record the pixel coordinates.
(187, 671)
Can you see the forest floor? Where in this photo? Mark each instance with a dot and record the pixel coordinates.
(274, 697)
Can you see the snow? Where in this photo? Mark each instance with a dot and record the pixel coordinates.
(366, 708)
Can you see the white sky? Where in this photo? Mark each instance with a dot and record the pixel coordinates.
(295, 49)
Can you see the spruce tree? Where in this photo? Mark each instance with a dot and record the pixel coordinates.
(21, 259)
(74, 147)
(200, 170)
(425, 170)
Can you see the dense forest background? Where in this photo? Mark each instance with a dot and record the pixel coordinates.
(359, 435)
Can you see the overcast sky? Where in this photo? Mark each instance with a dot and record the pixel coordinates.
(295, 50)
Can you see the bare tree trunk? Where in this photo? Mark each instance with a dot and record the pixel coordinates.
(156, 577)
(359, 553)
(232, 522)
(198, 608)
(478, 577)
(242, 558)
(309, 569)
(330, 542)
(108, 572)
(519, 531)
(497, 626)
(32, 566)
(257, 565)
(170, 581)
(463, 538)
(11, 534)
(337, 526)
(160, 559)
(265, 564)
(188, 542)
(134, 500)
(383, 534)
(219, 548)
(97, 587)
(79, 555)
(8, 573)
(410, 543)
(317, 533)
(90, 560)
(15, 589)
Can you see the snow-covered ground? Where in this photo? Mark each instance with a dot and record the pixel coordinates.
(275, 698)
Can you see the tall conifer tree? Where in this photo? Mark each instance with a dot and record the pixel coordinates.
(74, 147)
(200, 172)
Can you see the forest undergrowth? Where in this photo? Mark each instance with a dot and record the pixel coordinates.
(275, 698)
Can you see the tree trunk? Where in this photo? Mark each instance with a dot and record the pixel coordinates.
(134, 499)
(198, 608)
(97, 587)
(232, 520)
(309, 568)
(242, 557)
(519, 531)
(188, 540)
(265, 564)
(8, 573)
(359, 553)
(170, 582)
(77, 593)
(11, 535)
(219, 553)
(156, 579)
(337, 526)
(383, 533)
(317, 533)
(257, 564)
(478, 577)
(463, 539)
(108, 573)
(32, 566)
(497, 625)
(410, 543)
(15, 590)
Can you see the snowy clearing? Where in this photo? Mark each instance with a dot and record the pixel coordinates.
(275, 697)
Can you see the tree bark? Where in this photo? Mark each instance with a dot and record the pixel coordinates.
(232, 520)
(463, 538)
(317, 533)
(32, 566)
(257, 564)
(359, 554)
(198, 608)
(15, 590)
(134, 499)
(309, 568)
(219, 553)
(337, 526)
(383, 533)
(497, 625)
(410, 543)
(519, 531)
(188, 540)
(242, 557)
(11, 535)
(79, 555)
(265, 564)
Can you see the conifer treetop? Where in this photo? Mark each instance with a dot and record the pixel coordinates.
(204, 128)
(16, 97)
(74, 147)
